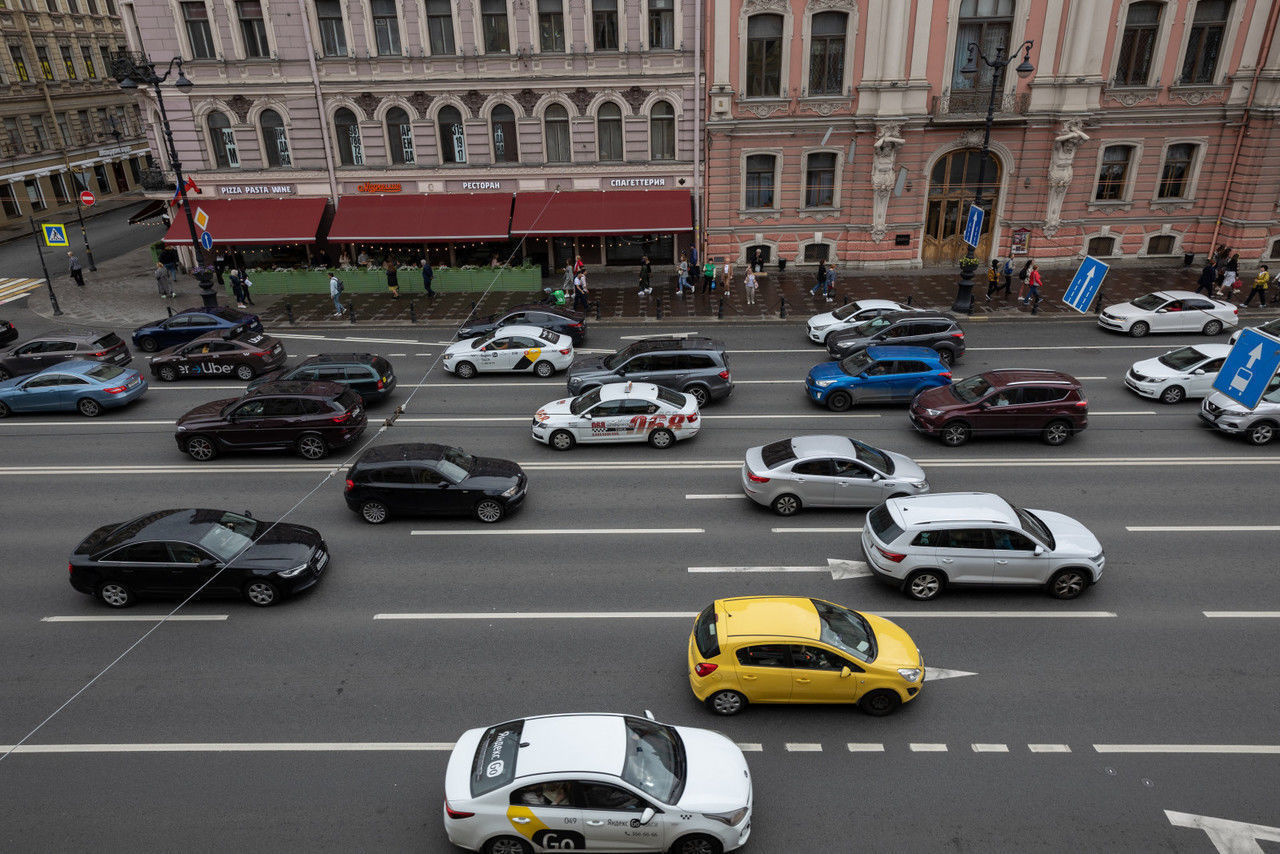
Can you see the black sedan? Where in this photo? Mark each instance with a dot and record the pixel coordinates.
(419, 479)
(175, 553)
(561, 320)
(217, 355)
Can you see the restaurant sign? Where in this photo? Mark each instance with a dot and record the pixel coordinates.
(619, 183)
(257, 189)
(479, 186)
(378, 188)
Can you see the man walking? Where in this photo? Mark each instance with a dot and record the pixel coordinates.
(829, 286)
(695, 271)
(164, 282)
(77, 272)
(1260, 283)
(646, 276)
(1208, 276)
(335, 291)
(169, 257)
(580, 292)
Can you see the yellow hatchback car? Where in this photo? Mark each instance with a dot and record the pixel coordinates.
(788, 649)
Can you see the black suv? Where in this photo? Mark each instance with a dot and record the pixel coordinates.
(420, 479)
(367, 375)
(556, 319)
(39, 353)
(695, 366)
(935, 329)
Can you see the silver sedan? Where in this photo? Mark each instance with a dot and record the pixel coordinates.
(827, 471)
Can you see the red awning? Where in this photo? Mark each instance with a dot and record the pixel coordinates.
(418, 218)
(242, 221)
(470, 216)
(602, 212)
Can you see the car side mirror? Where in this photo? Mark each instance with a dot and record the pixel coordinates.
(207, 564)
(876, 477)
(1199, 372)
(1039, 551)
(1162, 311)
(845, 672)
(647, 816)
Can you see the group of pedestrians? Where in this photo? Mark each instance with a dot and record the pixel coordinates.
(1000, 275)
(1221, 277)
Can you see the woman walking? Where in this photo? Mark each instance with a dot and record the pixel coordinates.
(750, 285)
(393, 282)
(164, 282)
(1022, 277)
(1034, 283)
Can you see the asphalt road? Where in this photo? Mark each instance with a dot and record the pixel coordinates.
(110, 236)
(324, 723)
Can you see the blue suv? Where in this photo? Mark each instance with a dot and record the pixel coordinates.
(886, 374)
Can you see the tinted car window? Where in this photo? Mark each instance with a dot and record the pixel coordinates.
(882, 524)
(185, 553)
(776, 453)
(252, 409)
(1011, 541)
(696, 361)
(602, 796)
(105, 372)
(637, 407)
(348, 399)
(140, 553)
(330, 373)
(311, 406)
(639, 363)
(282, 407)
(607, 409)
(968, 538)
(392, 474)
(848, 468)
(763, 655)
(59, 347)
(108, 340)
(670, 398)
(1042, 394)
(930, 539)
(812, 467)
(355, 372)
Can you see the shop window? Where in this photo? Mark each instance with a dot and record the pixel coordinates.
(604, 24)
(399, 136)
(987, 24)
(135, 169)
(386, 27)
(199, 35)
(13, 133)
(453, 144)
(764, 56)
(760, 178)
(820, 180)
(556, 130)
(609, 131)
(274, 139)
(223, 141)
(1204, 44)
(90, 70)
(350, 149)
(19, 63)
(506, 148)
(67, 62)
(1101, 247)
(440, 27)
(1161, 244)
(1138, 44)
(662, 24)
(253, 29)
(493, 23)
(826, 53)
(551, 26)
(1175, 176)
(11, 206)
(662, 132)
(815, 252)
(1113, 177)
(100, 177)
(333, 34)
(34, 194)
(46, 67)
(58, 181)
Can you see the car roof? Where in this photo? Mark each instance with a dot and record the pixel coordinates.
(1178, 295)
(951, 507)
(296, 388)
(901, 351)
(630, 390)
(522, 329)
(67, 335)
(918, 314)
(785, 616)
(818, 446)
(560, 743)
(873, 303)
(1209, 351)
(541, 306)
(402, 452)
(74, 366)
(338, 358)
(649, 345)
(1029, 376)
(164, 525)
(229, 314)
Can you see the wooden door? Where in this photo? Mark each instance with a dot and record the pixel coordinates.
(952, 187)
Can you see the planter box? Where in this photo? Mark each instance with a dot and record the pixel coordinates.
(375, 282)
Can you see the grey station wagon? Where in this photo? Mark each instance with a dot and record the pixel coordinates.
(694, 366)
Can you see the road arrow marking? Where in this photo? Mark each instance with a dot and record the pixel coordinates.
(932, 674)
(1229, 837)
(839, 569)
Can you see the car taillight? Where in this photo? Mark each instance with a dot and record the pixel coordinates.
(71, 569)
(946, 375)
(116, 389)
(704, 668)
(452, 813)
(341, 419)
(893, 556)
(351, 484)
(692, 418)
(564, 352)
(99, 353)
(1082, 404)
(957, 334)
(381, 382)
(755, 478)
(724, 375)
(261, 353)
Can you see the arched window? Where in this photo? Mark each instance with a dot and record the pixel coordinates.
(274, 140)
(764, 56)
(609, 131)
(556, 124)
(826, 53)
(453, 144)
(662, 132)
(505, 147)
(350, 151)
(399, 136)
(223, 140)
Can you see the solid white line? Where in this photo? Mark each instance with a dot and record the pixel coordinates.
(1049, 748)
(340, 340)
(927, 747)
(750, 747)
(803, 747)
(1194, 529)
(990, 748)
(815, 530)
(545, 615)
(1236, 749)
(1132, 412)
(797, 382)
(817, 350)
(865, 747)
(1265, 615)
(1000, 615)
(695, 497)
(577, 532)
(236, 747)
(139, 618)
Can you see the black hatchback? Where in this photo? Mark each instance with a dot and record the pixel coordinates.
(935, 329)
(420, 479)
(367, 375)
(561, 320)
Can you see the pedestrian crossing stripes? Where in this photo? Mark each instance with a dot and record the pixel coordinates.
(14, 289)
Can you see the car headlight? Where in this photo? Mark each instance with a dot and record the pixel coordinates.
(512, 491)
(290, 573)
(1098, 557)
(1157, 380)
(911, 674)
(181, 429)
(932, 413)
(729, 818)
(823, 383)
(818, 327)
(448, 356)
(923, 485)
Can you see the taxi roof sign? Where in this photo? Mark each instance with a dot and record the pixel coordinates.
(55, 234)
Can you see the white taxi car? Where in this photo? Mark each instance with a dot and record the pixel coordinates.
(850, 315)
(510, 348)
(618, 412)
(596, 782)
(1178, 374)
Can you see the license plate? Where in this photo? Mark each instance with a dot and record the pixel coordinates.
(275, 349)
(133, 383)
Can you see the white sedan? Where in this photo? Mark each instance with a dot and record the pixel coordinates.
(510, 348)
(618, 412)
(596, 782)
(849, 315)
(1178, 374)
(1169, 311)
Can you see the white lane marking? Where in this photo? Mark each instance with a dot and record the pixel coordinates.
(1132, 412)
(1247, 615)
(16, 289)
(750, 747)
(236, 747)
(799, 382)
(933, 674)
(839, 569)
(1194, 749)
(578, 532)
(138, 618)
(927, 747)
(1196, 529)
(1001, 615)
(545, 615)
(709, 496)
(657, 335)
(815, 349)
(1049, 748)
(155, 386)
(865, 747)
(990, 748)
(1227, 836)
(803, 747)
(815, 530)
(350, 338)
(424, 354)
(405, 355)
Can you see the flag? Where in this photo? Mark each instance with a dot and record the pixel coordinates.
(191, 186)
(177, 191)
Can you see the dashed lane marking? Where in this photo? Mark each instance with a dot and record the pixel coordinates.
(237, 747)
(815, 530)
(750, 747)
(931, 673)
(138, 618)
(927, 747)
(535, 615)
(864, 747)
(1246, 615)
(803, 747)
(1049, 748)
(990, 748)
(708, 497)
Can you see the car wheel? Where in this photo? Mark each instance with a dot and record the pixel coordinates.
(562, 440)
(839, 401)
(374, 512)
(1139, 330)
(924, 585)
(544, 369)
(1213, 327)
(115, 594)
(700, 395)
(1068, 583)
(201, 448)
(166, 373)
(696, 843)
(4, 411)
(1056, 432)
(662, 438)
(261, 592)
(786, 505)
(946, 357)
(955, 433)
(465, 370)
(312, 447)
(89, 407)
(880, 703)
(1262, 434)
(1173, 394)
(244, 372)
(147, 344)
(507, 845)
(490, 510)
(726, 703)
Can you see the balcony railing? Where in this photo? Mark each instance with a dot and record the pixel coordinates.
(970, 103)
(155, 179)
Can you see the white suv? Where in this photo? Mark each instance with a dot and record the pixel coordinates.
(924, 543)
(1259, 425)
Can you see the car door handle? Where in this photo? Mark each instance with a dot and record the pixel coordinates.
(748, 678)
(948, 560)
(799, 480)
(595, 823)
(803, 681)
(519, 820)
(1001, 562)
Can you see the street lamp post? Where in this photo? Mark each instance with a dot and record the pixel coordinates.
(969, 264)
(132, 70)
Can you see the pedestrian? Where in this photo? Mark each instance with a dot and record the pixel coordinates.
(169, 257)
(363, 259)
(757, 263)
(578, 266)
(829, 287)
(1231, 274)
(682, 275)
(1034, 282)
(709, 276)
(1260, 283)
(749, 285)
(1023, 274)
(237, 287)
(393, 281)
(695, 272)
(567, 284)
(580, 292)
(247, 285)
(427, 275)
(73, 264)
(993, 277)
(646, 276)
(335, 291)
(1208, 276)
(164, 281)
(726, 274)
(1008, 275)
(821, 277)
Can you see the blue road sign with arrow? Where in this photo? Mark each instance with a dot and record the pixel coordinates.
(1249, 368)
(973, 226)
(206, 240)
(1085, 283)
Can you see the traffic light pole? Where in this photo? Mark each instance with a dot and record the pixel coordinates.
(53, 299)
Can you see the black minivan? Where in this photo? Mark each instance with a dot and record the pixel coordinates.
(421, 479)
(367, 375)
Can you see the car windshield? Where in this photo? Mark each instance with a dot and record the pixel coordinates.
(102, 373)
(1182, 358)
(456, 465)
(873, 457)
(971, 389)
(1148, 302)
(619, 357)
(856, 364)
(775, 454)
(845, 630)
(229, 536)
(1032, 525)
(477, 343)
(671, 398)
(844, 312)
(549, 336)
(1272, 394)
(583, 402)
(655, 762)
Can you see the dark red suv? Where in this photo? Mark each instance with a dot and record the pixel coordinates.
(1022, 401)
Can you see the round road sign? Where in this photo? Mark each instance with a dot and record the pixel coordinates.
(87, 197)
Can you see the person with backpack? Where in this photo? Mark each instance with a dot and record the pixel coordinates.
(1008, 275)
(335, 291)
(1022, 277)
(993, 277)
(1208, 276)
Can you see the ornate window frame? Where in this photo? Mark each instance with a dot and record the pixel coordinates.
(817, 7)
(778, 156)
(749, 9)
(677, 25)
(837, 179)
(1188, 198)
(1125, 202)
(1159, 53)
(1017, 34)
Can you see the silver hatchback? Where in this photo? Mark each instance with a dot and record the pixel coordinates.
(827, 471)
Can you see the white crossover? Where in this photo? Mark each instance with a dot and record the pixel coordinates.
(1169, 311)
(1178, 374)
(850, 315)
(511, 348)
(596, 782)
(618, 412)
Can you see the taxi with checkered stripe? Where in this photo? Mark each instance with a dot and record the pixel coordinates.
(524, 349)
(618, 412)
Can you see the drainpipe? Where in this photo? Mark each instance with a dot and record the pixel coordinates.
(315, 84)
(697, 130)
(1263, 53)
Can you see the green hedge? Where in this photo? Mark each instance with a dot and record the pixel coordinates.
(375, 282)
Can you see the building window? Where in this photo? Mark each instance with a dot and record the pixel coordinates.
(253, 29)
(93, 7)
(662, 24)
(820, 180)
(86, 53)
(662, 132)
(987, 24)
(551, 26)
(199, 35)
(760, 171)
(1100, 247)
(100, 176)
(1205, 42)
(1133, 68)
(40, 132)
(386, 27)
(14, 132)
(59, 184)
(68, 62)
(506, 148)
(764, 56)
(1175, 177)
(556, 123)
(399, 136)
(826, 53)
(274, 140)
(64, 128)
(86, 126)
(1113, 177)
(333, 36)
(73, 6)
(609, 131)
(440, 27)
(11, 206)
(493, 22)
(453, 143)
(350, 149)
(223, 138)
(815, 252)
(1161, 244)
(1275, 245)
(19, 63)
(34, 194)
(111, 8)
(46, 67)
(604, 24)
(135, 169)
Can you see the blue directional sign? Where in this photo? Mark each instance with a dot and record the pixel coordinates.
(1249, 368)
(1085, 283)
(55, 235)
(973, 226)
(206, 240)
